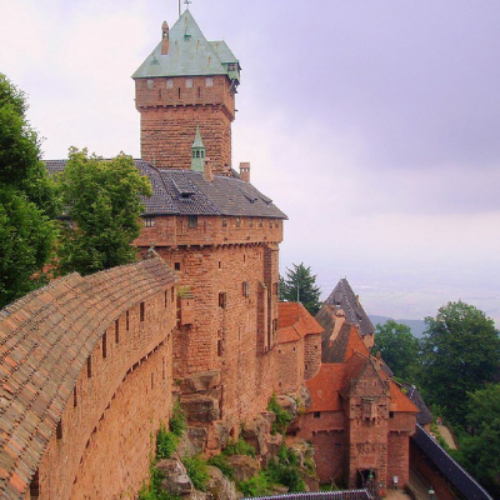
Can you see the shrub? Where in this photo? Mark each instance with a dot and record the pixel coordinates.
(283, 418)
(197, 471)
(240, 447)
(166, 443)
(222, 463)
(255, 486)
(178, 423)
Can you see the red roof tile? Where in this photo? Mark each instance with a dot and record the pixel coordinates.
(399, 401)
(294, 317)
(325, 387)
(46, 338)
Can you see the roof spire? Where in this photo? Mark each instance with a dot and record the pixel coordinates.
(198, 152)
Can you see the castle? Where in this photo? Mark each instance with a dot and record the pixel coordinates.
(91, 366)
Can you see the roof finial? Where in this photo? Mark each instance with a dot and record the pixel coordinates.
(187, 2)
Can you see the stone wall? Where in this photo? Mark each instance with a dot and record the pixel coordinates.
(312, 356)
(327, 431)
(290, 367)
(108, 339)
(170, 110)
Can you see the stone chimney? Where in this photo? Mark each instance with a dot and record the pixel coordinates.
(165, 38)
(208, 173)
(245, 171)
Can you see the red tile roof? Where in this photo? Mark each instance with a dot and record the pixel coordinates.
(45, 340)
(399, 401)
(325, 388)
(295, 322)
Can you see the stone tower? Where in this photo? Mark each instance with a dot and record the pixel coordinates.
(185, 83)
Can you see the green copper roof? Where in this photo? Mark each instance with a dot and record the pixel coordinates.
(198, 152)
(198, 141)
(190, 54)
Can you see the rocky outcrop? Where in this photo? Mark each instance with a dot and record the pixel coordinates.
(200, 408)
(244, 466)
(219, 486)
(176, 481)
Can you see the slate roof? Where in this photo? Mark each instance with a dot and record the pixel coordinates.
(322, 495)
(343, 297)
(186, 192)
(345, 344)
(424, 416)
(45, 340)
(190, 54)
(464, 483)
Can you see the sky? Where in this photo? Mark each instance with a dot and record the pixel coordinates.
(374, 125)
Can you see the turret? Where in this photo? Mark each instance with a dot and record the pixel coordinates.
(186, 82)
(198, 152)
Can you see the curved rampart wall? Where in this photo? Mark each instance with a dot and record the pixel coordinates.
(85, 379)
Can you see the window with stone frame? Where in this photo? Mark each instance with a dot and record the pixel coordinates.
(149, 221)
(193, 221)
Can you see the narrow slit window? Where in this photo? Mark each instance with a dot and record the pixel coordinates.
(59, 430)
(222, 300)
(127, 321)
(35, 486)
(75, 397)
(89, 367)
(142, 311)
(117, 331)
(104, 346)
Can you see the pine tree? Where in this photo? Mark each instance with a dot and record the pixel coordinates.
(300, 286)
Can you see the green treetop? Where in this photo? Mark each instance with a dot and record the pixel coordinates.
(399, 349)
(460, 354)
(104, 205)
(27, 200)
(300, 286)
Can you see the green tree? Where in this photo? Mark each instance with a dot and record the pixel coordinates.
(480, 449)
(460, 354)
(399, 348)
(300, 286)
(27, 200)
(104, 206)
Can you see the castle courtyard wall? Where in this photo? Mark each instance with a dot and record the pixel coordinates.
(109, 339)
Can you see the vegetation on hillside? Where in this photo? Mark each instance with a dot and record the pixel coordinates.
(456, 365)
